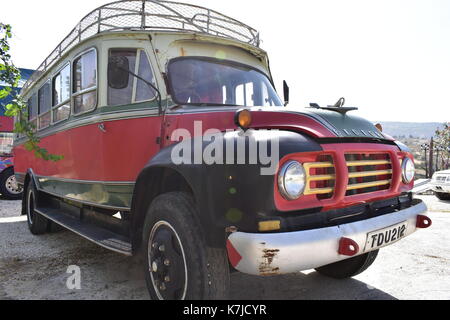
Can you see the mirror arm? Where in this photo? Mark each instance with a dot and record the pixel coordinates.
(150, 85)
(286, 93)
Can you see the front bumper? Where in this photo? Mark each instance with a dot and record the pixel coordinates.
(282, 253)
(440, 187)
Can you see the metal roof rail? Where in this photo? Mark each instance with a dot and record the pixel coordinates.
(149, 15)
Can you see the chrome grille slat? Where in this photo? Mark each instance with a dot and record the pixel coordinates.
(364, 174)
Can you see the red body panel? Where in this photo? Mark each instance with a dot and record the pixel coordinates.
(6, 124)
(119, 154)
(260, 120)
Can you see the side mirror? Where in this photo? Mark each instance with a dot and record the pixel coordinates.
(118, 72)
(286, 93)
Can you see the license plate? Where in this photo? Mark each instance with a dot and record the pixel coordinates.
(384, 237)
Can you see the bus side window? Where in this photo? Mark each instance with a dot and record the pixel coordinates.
(85, 82)
(143, 91)
(33, 110)
(124, 96)
(136, 90)
(61, 95)
(44, 98)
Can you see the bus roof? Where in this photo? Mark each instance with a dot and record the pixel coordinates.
(151, 15)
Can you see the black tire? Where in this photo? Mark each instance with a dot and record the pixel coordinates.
(178, 264)
(350, 267)
(5, 185)
(442, 196)
(37, 223)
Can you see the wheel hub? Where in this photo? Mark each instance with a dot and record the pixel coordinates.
(12, 186)
(167, 264)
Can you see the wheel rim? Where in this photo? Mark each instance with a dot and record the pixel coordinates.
(167, 262)
(12, 186)
(30, 207)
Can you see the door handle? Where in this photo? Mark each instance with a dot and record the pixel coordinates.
(101, 126)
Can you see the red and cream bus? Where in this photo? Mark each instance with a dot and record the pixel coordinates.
(151, 104)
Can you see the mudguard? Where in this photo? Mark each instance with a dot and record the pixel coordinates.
(226, 194)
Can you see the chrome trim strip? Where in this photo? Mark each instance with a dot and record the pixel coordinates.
(95, 119)
(93, 204)
(113, 183)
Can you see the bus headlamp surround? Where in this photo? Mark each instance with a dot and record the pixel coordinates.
(292, 180)
(408, 170)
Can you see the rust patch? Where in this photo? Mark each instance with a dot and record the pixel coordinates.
(266, 268)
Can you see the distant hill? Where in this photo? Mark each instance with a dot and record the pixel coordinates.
(411, 129)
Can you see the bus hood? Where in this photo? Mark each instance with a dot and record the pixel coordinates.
(316, 122)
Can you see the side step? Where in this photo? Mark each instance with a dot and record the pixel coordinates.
(100, 236)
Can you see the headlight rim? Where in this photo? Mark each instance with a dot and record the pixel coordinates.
(404, 168)
(281, 180)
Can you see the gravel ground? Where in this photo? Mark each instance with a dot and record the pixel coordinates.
(35, 268)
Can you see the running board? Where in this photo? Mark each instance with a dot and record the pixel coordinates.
(100, 236)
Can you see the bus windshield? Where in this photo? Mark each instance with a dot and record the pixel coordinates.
(205, 81)
(6, 143)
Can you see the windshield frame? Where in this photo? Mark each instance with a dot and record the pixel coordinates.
(217, 61)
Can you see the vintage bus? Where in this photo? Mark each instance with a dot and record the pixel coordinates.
(139, 85)
(9, 188)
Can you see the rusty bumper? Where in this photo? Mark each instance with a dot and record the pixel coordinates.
(282, 253)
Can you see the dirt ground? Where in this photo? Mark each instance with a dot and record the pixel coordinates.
(35, 268)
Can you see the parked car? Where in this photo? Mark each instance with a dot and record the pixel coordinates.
(176, 143)
(9, 188)
(441, 184)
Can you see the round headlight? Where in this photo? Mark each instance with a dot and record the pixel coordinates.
(408, 170)
(292, 180)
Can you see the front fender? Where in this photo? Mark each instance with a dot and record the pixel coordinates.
(233, 192)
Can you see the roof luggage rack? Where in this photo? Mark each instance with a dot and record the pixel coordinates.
(150, 15)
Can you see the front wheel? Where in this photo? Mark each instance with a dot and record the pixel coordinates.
(350, 267)
(178, 263)
(8, 185)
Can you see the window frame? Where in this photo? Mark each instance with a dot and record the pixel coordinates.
(36, 118)
(135, 83)
(135, 79)
(217, 61)
(73, 95)
(39, 106)
(58, 72)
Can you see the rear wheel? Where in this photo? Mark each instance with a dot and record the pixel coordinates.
(350, 267)
(443, 196)
(8, 185)
(178, 264)
(37, 223)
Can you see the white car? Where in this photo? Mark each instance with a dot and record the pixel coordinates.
(441, 184)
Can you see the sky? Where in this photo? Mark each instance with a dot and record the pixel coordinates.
(390, 58)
